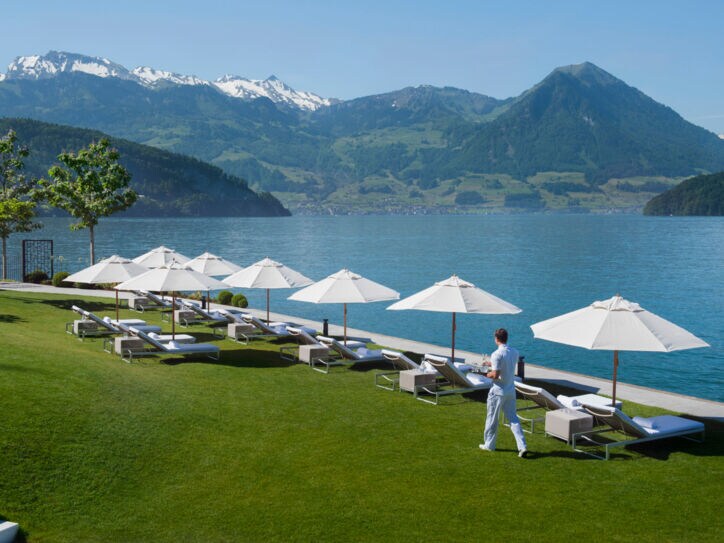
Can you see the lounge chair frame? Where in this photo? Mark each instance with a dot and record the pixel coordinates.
(617, 424)
(390, 380)
(344, 357)
(451, 377)
(160, 349)
(158, 301)
(104, 328)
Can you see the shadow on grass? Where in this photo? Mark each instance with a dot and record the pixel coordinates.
(93, 307)
(14, 367)
(11, 319)
(238, 358)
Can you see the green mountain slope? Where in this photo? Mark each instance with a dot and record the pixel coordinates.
(580, 118)
(700, 195)
(169, 184)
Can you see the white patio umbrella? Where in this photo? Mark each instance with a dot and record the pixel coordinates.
(267, 274)
(160, 256)
(344, 287)
(453, 295)
(616, 325)
(172, 279)
(212, 265)
(114, 269)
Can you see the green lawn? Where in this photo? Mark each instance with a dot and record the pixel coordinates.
(254, 449)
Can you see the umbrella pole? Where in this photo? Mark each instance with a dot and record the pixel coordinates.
(615, 371)
(453, 337)
(267, 307)
(345, 325)
(173, 315)
(208, 300)
(116, 304)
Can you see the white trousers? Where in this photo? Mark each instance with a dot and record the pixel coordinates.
(506, 402)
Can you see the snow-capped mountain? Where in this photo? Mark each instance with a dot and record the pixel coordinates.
(151, 77)
(57, 62)
(272, 88)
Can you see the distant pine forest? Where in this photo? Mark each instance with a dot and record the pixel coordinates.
(702, 195)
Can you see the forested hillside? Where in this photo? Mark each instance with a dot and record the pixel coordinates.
(169, 184)
(700, 195)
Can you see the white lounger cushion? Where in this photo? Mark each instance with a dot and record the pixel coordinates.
(364, 352)
(667, 424)
(462, 366)
(577, 402)
(478, 379)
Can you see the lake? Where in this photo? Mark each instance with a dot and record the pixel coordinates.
(544, 264)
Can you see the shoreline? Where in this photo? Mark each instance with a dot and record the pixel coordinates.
(672, 401)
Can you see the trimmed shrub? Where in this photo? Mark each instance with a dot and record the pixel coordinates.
(37, 276)
(239, 300)
(225, 297)
(59, 279)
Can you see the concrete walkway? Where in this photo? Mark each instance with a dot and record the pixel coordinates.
(690, 405)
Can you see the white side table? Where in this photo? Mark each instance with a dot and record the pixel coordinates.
(307, 353)
(563, 423)
(411, 379)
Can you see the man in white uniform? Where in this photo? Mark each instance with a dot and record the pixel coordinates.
(502, 394)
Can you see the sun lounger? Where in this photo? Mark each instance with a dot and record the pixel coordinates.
(92, 325)
(132, 341)
(304, 337)
(274, 329)
(540, 398)
(148, 300)
(637, 430)
(202, 315)
(390, 379)
(456, 381)
(155, 347)
(344, 355)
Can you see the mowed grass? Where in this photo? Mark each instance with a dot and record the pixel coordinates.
(252, 448)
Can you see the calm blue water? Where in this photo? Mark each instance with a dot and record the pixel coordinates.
(545, 264)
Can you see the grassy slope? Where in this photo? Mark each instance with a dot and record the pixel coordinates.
(252, 449)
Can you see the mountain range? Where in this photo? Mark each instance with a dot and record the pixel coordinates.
(580, 139)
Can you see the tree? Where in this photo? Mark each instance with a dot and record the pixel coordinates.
(90, 186)
(16, 209)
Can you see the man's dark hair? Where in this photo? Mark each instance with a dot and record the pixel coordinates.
(501, 334)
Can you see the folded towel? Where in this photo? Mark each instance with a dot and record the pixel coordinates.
(153, 335)
(426, 367)
(173, 345)
(568, 401)
(107, 319)
(463, 367)
(650, 423)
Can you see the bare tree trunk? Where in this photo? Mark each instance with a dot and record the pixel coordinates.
(92, 246)
(5, 258)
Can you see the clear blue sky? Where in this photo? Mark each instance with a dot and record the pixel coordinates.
(671, 50)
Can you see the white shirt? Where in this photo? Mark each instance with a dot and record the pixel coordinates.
(504, 360)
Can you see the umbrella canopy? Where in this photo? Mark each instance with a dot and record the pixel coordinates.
(616, 325)
(267, 274)
(209, 264)
(114, 269)
(160, 256)
(345, 287)
(171, 278)
(454, 295)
